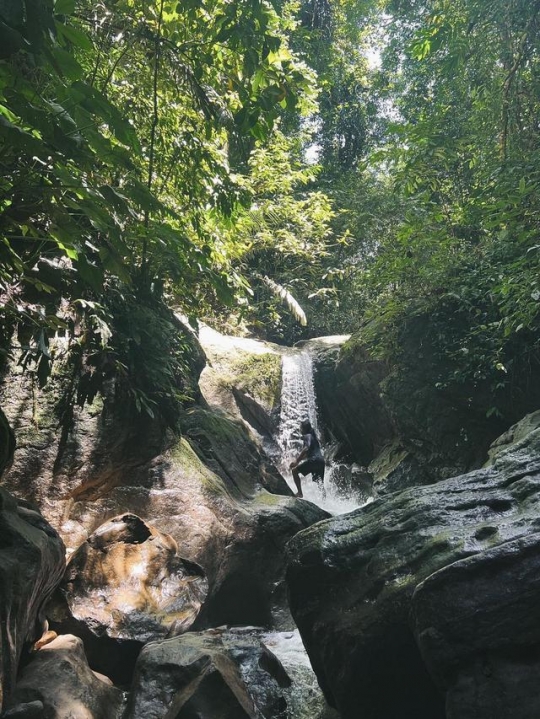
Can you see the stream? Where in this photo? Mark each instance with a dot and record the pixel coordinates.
(298, 402)
(342, 492)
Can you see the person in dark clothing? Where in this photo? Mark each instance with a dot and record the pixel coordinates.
(310, 460)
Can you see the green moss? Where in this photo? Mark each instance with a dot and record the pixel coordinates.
(96, 407)
(212, 428)
(258, 375)
(183, 455)
(269, 500)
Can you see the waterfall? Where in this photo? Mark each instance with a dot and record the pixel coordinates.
(298, 402)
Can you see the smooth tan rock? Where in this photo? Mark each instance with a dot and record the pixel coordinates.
(127, 581)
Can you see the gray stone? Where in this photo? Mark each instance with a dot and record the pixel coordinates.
(477, 624)
(32, 561)
(514, 437)
(214, 674)
(352, 580)
(396, 467)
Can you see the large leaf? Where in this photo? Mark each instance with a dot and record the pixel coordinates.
(96, 103)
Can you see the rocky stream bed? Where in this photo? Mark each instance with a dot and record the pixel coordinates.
(194, 579)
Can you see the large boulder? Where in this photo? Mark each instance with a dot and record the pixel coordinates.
(442, 428)
(32, 561)
(477, 624)
(243, 377)
(354, 580)
(61, 685)
(227, 448)
(348, 384)
(123, 587)
(211, 674)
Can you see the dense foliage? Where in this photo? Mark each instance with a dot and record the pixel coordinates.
(120, 123)
(301, 167)
(463, 150)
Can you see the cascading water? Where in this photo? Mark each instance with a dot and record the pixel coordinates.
(298, 402)
(305, 699)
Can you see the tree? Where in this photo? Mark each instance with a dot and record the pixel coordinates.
(116, 121)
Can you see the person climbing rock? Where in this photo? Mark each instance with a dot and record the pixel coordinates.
(310, 460)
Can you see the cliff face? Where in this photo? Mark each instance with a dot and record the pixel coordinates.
(401, 422)
(201, 516)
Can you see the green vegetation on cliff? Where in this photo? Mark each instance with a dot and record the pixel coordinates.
(306, 167)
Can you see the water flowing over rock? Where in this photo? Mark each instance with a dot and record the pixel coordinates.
(461, 556)
(31, 565)
(346, 486)
(59, 679)
(304, 697)
(212, 674)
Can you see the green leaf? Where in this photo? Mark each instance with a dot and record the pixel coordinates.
(90, 274)
(11, 41)
(96, 103)
(16, 138)
(64, 63)
(64, 7)
(75, 36)
(43, 370)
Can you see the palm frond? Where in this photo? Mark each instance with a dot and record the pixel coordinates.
(284, 295)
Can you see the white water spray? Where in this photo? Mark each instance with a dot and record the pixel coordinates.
(298, 402)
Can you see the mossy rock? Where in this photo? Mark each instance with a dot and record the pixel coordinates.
(224, 444)
(259, 375)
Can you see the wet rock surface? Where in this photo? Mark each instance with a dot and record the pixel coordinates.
(123, 587)
(477, 624)
(348, 382)
(461, 556)
(228, 450)
(207, 490)
(210, 674)
(408, 427)
(59, 683)
(31, 565)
